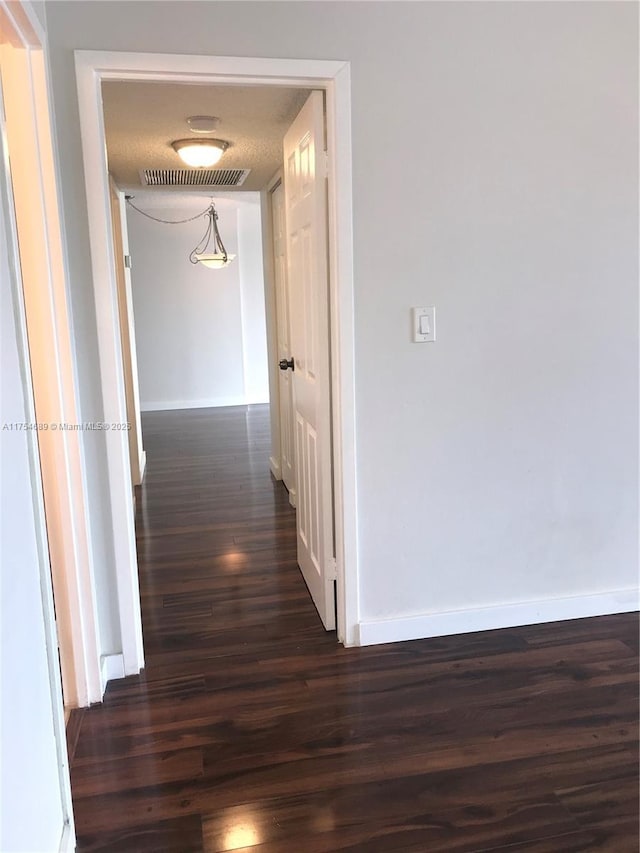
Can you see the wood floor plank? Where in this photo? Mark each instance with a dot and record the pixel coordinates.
(73, 726)
(456, 830)
(609, 808)
(131, 772)
(183, 834)
(570, 842)
(252, 726)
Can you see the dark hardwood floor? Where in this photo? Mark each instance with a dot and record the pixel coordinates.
(251, 729)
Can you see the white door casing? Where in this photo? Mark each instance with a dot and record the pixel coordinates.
(24, 64)
(127, 332)
(287, 447)
(307, 252)
(93, 67)
(32, 175)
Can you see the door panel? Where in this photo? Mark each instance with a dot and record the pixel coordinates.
(306, 230)
(287, 449)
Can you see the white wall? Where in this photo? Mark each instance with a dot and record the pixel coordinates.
(39, 8)
(495, 176)
(201, 338)
(253, 302)
(29, 767)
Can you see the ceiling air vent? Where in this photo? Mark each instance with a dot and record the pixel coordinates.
(193, 177)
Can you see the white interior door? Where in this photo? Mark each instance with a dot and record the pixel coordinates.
(306, 228)
(287, 450)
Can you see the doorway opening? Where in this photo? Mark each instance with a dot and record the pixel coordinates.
(331, 81)
(201, 333)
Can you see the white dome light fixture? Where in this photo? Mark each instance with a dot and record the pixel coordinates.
(213, 256)
(200, 153)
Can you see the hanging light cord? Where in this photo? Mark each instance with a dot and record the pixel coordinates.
(165, 221)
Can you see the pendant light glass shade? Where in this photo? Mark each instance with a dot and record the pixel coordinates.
(200, 153)
(210, 251)
(214, 262)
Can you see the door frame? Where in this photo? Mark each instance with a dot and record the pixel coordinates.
(92, 67)
(271, 313)
(64, 557)
(51, 355)
(137, 456)
(273, 326)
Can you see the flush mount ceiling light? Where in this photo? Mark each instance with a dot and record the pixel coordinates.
(210, 251)
(200, 153)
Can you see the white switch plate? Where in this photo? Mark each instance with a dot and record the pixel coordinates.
(424, 324)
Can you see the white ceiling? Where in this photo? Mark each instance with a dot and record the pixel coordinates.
(142, 119)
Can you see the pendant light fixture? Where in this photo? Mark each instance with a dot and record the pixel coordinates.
(210, 251)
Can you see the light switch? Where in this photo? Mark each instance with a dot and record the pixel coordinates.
(424, 324)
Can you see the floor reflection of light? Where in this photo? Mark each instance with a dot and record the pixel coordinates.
(241, 834)
(324, 820)
(233, 561)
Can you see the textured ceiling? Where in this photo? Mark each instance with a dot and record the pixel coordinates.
(142, 119)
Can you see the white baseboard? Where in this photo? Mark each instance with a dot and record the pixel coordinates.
(274, 464)
(489, 618)
(293, 498)
(212, 403)
(111, 667)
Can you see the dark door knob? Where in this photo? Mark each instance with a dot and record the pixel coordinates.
(285, 364)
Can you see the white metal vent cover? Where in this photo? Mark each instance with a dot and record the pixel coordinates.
(193, 177)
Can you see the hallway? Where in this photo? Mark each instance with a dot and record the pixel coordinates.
(251, 728)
